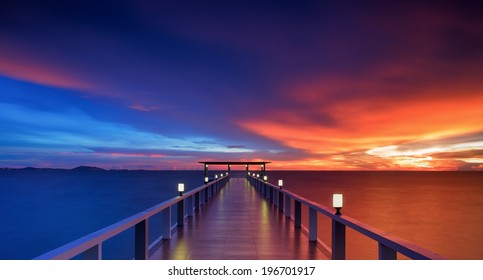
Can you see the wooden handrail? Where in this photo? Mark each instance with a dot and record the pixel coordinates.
(389, 244)
(91, 245)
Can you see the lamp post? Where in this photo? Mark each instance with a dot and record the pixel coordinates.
(280, 183)
(180, 189)
(337, 203)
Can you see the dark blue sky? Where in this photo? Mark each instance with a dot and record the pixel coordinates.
(306, 84)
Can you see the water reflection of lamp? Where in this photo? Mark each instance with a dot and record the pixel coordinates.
(181, 189)
(337, 202)
(280, 183)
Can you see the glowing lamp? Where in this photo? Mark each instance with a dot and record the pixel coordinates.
(226, 173)
(216, 176)
(258, 175)
(180, 188)
(280, 183)
(248, 173)
(337, 202)
(265, 178)
(206, 179)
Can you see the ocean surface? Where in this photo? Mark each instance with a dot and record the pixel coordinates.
(41, 210)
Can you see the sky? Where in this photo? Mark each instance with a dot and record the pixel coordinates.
(311, 85)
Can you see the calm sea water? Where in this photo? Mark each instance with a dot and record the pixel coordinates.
(440, 211)
(41, 210)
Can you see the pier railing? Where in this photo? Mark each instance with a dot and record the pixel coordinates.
(388, 245)
(90, 246)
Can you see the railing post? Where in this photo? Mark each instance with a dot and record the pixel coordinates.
(275, 197)
(338, 240)
(267, 192)
(180, 206)
(189, 206)
(288, 203)
(202, 197)
(141, 240)
(94, 253)
(297, 215)
(206, 195)
(197, 201)
(312, 224)
(280, 201)
(386, 253)
(166, 223)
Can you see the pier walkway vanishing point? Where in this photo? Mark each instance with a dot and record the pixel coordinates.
(239, 218)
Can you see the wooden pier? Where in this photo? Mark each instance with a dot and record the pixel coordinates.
(238, 224)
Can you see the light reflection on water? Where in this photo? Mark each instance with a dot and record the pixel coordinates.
(439, 211)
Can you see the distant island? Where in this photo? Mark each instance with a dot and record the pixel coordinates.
(88, 168)
(78, 168)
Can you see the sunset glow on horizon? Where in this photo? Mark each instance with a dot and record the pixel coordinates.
(306, 86)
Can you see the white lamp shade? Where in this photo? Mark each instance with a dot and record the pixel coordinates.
(337, 201)
(216, 176)
(258, 175)
(206, 179)
(181, 187)
(265, 178)
(280, 183)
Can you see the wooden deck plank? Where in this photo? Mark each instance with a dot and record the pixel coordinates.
(238, 224)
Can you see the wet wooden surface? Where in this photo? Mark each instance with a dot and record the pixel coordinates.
(238, 224)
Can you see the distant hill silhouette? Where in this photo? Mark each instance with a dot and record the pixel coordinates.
(88, 168)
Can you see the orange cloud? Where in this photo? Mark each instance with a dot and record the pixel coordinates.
(339, 128)
(20, 65)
